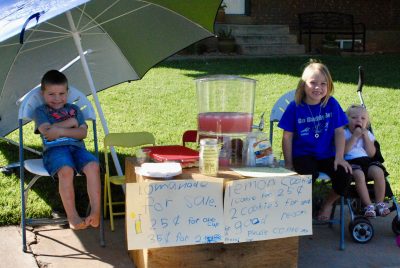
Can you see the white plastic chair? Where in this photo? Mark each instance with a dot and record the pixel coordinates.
(276, 114)
(278, 110)
(28, 103)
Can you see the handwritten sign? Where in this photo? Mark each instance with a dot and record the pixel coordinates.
(267, 208)
(174, 213)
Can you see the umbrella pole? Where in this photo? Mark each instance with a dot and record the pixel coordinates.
(75, 35)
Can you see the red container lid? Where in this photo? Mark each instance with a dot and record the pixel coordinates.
(175, 153)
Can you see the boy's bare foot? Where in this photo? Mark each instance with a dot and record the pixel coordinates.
(80, 226)
(93, 220)
(77, 223)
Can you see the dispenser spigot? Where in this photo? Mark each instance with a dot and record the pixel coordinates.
(260, 125)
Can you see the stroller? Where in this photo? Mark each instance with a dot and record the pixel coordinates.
(360, 227)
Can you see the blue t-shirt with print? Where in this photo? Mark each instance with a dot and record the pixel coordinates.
(45, 114)
(313, 127)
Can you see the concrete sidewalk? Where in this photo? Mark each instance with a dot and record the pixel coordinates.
(53, 246)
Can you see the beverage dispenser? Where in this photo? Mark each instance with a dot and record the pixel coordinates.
(226, 106)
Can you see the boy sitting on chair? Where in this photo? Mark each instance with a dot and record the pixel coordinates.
(62, 129)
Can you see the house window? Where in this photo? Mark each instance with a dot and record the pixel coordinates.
(236, 7)
(345, 44)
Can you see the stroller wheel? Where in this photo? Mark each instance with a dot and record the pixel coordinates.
(361, 230)
(396, 225)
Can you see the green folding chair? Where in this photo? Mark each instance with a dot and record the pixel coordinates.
(132, 139)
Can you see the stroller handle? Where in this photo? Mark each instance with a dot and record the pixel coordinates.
(360, 78)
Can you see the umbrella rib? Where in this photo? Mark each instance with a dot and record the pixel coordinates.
(80, 17)
(38, 40)
(58, 27)
(33, 48)
(173, 11)
(102, 33)
(46, 31)
(100, 14)
(107, 21)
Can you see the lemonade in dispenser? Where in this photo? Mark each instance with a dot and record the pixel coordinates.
(225, 112)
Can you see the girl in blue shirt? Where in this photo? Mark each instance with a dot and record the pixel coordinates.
(313, 137)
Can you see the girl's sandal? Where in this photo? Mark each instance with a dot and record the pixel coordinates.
(382, 209)
(370, 211)
(323, 217)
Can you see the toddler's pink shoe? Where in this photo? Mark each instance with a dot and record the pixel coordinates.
(382, 209)
(369, 211)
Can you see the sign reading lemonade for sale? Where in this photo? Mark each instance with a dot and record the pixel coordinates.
(174, 213)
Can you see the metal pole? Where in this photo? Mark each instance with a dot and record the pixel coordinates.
(75, 35)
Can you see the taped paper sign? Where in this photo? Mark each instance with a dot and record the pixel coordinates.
(267, 208)
(174, 213)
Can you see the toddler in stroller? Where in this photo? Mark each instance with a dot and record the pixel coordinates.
(360, 152)
(360, 135)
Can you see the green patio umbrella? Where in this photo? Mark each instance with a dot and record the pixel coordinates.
(116, 41)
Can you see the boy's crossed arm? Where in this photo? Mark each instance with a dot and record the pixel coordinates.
(68, 123)
(67, 128)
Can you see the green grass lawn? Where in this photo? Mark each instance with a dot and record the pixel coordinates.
(164, 103)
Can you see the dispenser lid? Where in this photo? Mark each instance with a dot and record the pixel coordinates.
(218, 77)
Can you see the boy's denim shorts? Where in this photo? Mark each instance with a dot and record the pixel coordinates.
(72, 156)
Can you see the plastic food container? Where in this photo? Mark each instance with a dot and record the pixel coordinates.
(174, 153)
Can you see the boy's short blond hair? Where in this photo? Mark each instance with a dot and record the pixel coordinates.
(312, 67)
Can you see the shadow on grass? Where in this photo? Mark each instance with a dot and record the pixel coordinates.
(9, 152)
(380, 70)
(46, 188)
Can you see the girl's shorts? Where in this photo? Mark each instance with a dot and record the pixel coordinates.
(72, 156)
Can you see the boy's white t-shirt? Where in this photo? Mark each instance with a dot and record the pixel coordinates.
(358, 148)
